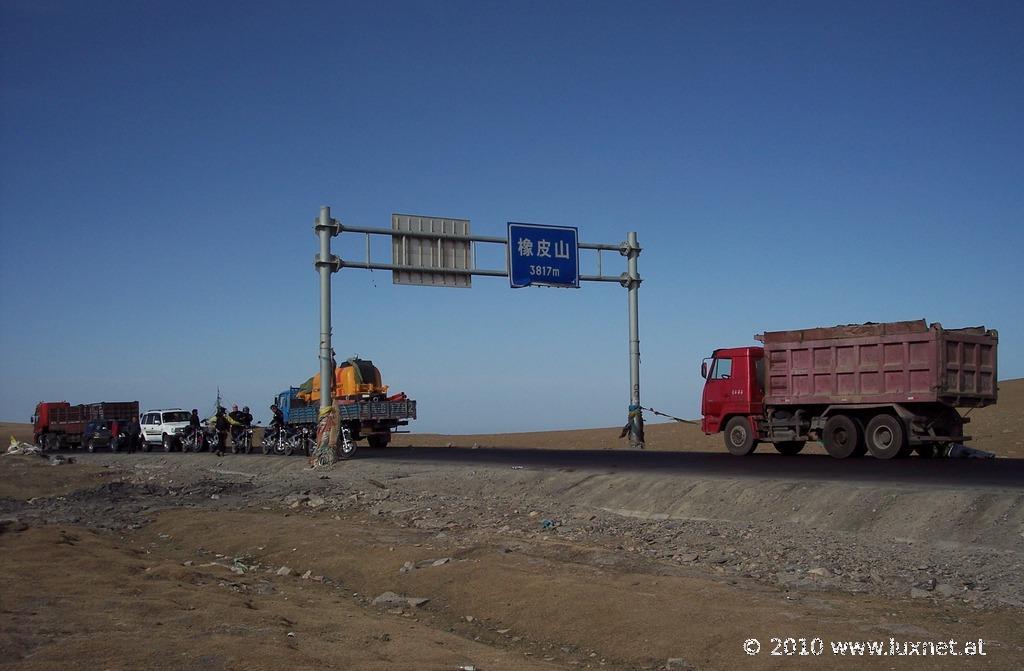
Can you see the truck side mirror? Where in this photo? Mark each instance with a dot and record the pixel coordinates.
(704, 369)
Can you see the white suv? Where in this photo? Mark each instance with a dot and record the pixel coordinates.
(162, 426)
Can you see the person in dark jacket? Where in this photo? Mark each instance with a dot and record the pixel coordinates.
(277, 418)
(133, 434)
(221, 423)
(238, 424)
(195, 429)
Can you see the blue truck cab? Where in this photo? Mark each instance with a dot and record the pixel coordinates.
(296, 411)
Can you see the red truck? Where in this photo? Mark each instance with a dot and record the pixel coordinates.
(888, 389)
(56, 425)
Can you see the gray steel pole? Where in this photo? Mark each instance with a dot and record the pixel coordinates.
(325, 265)
(636, 434)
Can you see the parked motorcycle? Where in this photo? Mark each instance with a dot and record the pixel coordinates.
(194, 440)
(303, 440)
(277, 440)
(241, 440)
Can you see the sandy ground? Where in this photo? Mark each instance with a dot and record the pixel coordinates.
(251, 562)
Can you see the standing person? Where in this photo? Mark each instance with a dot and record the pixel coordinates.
(195, 427)
(134, 433)
(237, 425)
(221, 422)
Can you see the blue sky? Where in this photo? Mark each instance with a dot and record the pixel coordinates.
(784, 164)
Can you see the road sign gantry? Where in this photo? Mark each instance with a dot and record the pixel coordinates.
(441, 251)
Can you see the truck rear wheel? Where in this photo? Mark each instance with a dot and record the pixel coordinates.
(378, 440)
(885, 437)
(842, 437)
(739, 438)
(790, 447)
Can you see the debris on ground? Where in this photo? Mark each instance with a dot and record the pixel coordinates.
(18, 447)
(958, 451)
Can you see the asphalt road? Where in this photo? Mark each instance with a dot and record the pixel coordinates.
(999, 473)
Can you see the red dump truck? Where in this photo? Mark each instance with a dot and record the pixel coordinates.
(58, 424)
(888, 389)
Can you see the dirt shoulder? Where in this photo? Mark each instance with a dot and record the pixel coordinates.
(25, 477)
(256, 562)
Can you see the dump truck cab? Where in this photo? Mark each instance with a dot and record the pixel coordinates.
(734, 386)
(41, 417)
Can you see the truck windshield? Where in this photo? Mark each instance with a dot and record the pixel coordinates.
(176, 416)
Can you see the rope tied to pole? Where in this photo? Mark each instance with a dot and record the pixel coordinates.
(678, 419)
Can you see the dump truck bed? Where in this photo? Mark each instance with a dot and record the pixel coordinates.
(896, 362)
(75, 417)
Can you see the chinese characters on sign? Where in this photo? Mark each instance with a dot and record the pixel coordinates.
(543, 256)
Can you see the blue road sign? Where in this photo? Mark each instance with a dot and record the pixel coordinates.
(543, 256)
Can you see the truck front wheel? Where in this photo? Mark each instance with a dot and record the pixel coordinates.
(842, 437)
(739, 438)
(885, 437)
